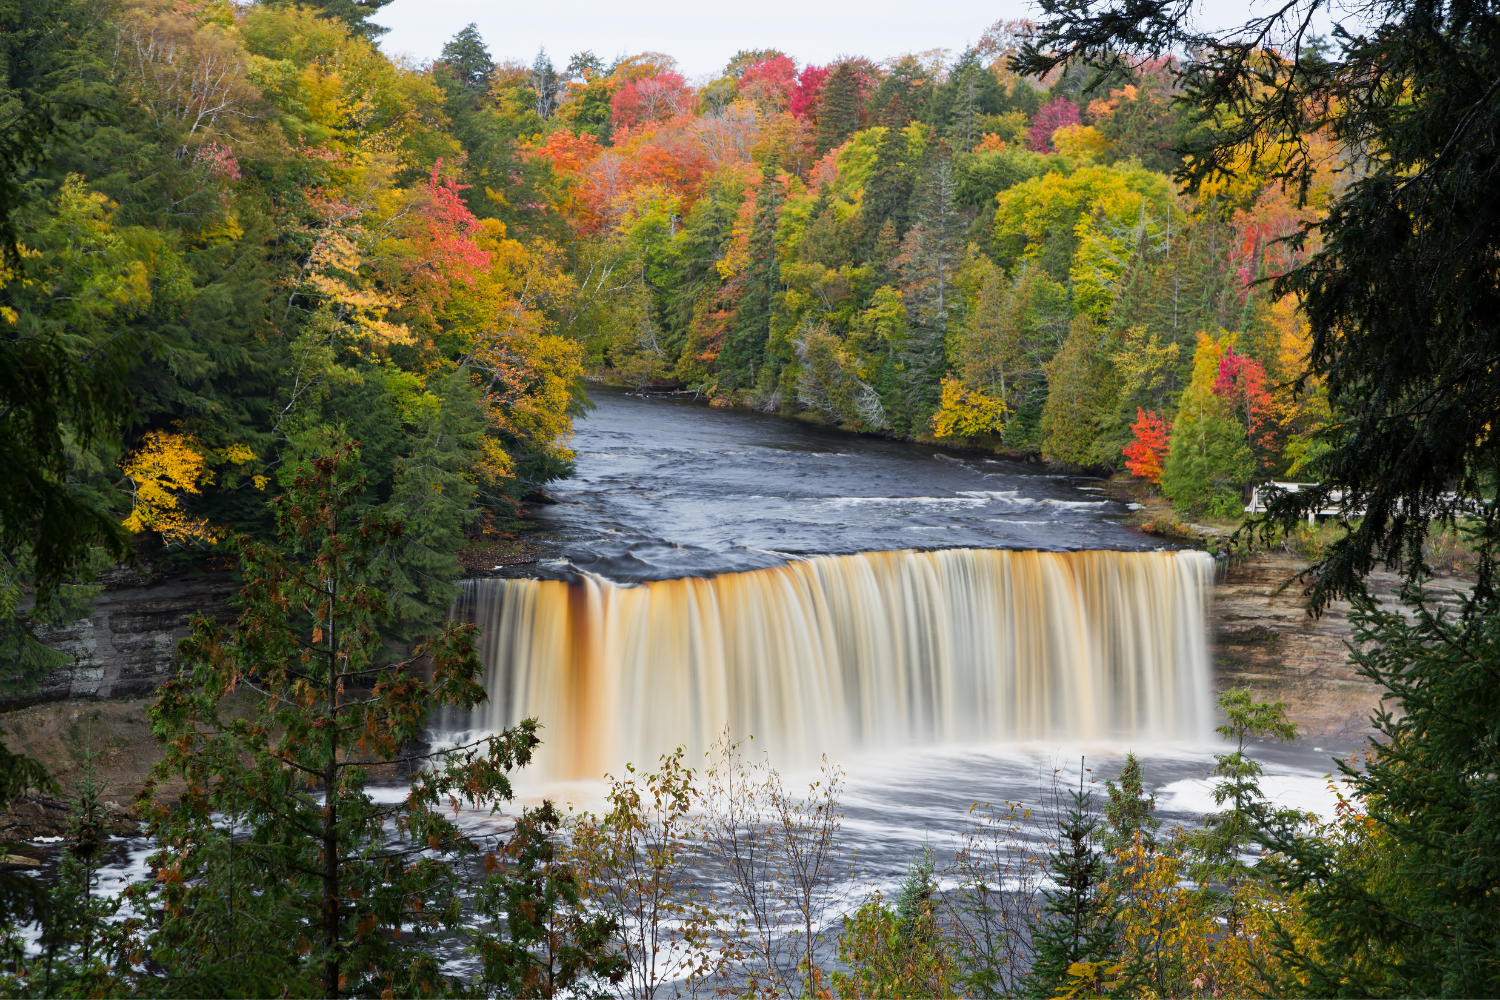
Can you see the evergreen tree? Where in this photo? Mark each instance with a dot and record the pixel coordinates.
(1129, 810)
(465, 60)
(435, 499)
(1404, 904)
(354, 13)
(1228, 833)
(839, 106)
(888, 194)
(82, 950)
(311, 885)
(914, 905)
(1077, 396)
(745, 346)
(903, 94)
(544, 81)
(1208, 463)
(1076, 922)
(930, 258)
(961, 106)
(539, 938)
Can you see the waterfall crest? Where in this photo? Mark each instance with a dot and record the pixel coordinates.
(836, 653)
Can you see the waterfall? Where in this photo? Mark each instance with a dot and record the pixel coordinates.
(836, 653)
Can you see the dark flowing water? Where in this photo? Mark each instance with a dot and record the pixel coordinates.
(668, 487)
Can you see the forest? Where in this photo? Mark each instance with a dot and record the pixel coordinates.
(273, 300)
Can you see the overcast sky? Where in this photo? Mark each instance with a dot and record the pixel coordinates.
(703, 35)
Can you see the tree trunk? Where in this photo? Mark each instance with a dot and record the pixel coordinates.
(330, 816)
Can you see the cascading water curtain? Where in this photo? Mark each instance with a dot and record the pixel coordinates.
(836, 653)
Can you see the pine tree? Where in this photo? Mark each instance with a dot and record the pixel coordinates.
(970, 95)
(929, 262)
(745, 346)
(466, 61)
(1209, 460)
(1228, 833)
(538, 937)
(354, 13)
(1208, 463)
(888, 194)
(1404, 903)
(1076, 923)
(1077, 395)
(1129, 810)
(434, 497)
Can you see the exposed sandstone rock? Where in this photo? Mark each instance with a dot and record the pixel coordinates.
(1264, 639)
(128, 645)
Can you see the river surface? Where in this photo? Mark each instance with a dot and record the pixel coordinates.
(669, 487)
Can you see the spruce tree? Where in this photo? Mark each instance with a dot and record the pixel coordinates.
(1404, 902)
(839, 106)
(1076, 923)
(1077, 396)
(354, 13)
(961, 106)
(930, 257)
(888, 194)
(1209, 462)
(465, 60)
(1229, 833)
(1129, 810)
(745, 346)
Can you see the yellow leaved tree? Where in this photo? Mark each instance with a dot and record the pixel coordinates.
(166, 467)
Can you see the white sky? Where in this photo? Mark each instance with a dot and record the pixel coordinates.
(704, 35)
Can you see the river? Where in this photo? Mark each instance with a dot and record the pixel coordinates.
(668, 487)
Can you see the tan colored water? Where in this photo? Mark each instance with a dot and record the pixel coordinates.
(841, 653)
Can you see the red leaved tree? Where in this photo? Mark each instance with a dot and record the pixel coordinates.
(650, 99)
(804, 99)
(1049, 118)
(443, 242)
(1146, 455)
(769, 82)
(1241, 382)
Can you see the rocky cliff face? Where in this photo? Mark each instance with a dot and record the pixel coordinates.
(1264, 639)
(129, 644)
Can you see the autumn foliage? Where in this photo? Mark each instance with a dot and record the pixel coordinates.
(1146, 454)
(650, 100)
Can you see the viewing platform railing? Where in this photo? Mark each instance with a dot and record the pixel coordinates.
(1334, 505)
(1332, 508)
